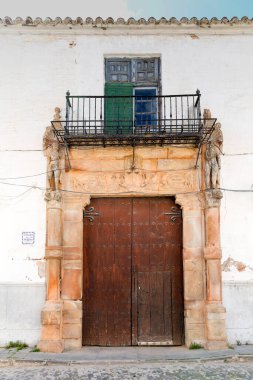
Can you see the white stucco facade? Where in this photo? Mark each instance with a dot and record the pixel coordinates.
(39, 64)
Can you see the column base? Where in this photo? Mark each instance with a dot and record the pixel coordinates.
(216, 345)
(216, 327)
(51, 328)
(54, 346)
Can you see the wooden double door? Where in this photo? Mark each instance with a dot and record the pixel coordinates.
(133, 275)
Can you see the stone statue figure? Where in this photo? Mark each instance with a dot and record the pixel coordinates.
(53, 175)
(213, 163)
(52, 152)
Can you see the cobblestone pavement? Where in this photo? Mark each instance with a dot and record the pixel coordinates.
(148, 371)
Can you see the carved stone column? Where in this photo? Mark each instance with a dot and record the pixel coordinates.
(51, 316)
(215, 312)
(72, 270)
(193, 262)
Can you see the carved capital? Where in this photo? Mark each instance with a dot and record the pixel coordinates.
(213, 198)
(52, 195)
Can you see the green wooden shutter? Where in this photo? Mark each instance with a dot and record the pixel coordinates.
(118, 111)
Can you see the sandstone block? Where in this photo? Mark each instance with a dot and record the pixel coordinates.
(216, 330)
(71, 284)
(149, 164)
(217, 345)
(54, 227)
(73, 344)
(113, 165)
(179, 152)
(192, 227)
(50, 332)
(193, 285)
(72, 305)
(195, 333)
(86, 165)
(53, 252)
(212, 252)
(73, 233)
(50, 317)
(195, 316)
(212, 226)
(175, 164)
(90, 153)
(53, 275)
(192, 253)
(195, 305)
(152, 152)
(213, 280)
(72, 253)
(73, 214)
(72, 331)
(193, 265)
(55, 346)
(72, 316)
(216, 316)
(215, 308)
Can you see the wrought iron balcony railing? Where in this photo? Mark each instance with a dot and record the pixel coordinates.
(134, 120)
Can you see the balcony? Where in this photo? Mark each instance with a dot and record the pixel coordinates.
(140, 119)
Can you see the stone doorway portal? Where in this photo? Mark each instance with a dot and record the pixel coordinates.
(158, 172)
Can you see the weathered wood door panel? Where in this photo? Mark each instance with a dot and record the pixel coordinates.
(157, 262)
(154, 308)
(133, 285)
(107, 274)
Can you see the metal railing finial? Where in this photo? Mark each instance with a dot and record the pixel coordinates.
(67, 98)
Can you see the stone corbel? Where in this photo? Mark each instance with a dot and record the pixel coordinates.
(213, 198)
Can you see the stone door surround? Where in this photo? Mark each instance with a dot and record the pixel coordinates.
(94, 172)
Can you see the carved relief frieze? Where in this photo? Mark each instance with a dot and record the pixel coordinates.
(111, 183)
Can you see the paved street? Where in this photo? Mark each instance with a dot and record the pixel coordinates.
(120, 363)
(148, 371)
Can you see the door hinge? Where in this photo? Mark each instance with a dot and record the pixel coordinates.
(90, 214)
(174, 214)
